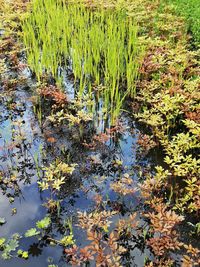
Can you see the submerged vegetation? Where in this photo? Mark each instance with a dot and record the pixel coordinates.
(84, 183)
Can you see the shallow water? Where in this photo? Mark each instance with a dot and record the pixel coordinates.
(23, 148)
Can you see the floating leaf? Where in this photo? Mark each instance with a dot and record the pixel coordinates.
(5, 255)
(67, 240)
(22, 254)
(44, 223)
(12, 245)
(32, 232)
(2, 241)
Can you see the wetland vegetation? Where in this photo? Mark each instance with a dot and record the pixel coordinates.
(99, 133)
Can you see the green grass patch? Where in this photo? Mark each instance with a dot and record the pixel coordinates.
(101, 45)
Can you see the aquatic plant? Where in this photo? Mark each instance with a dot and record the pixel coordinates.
(99, 45)
(9, 246)
(55, 175)
(168, 102)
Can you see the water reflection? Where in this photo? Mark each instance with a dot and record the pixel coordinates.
(23, 150)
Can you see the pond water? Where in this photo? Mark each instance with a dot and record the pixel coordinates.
(30, 141)
(24, 148)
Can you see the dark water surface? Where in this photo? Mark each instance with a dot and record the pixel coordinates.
(23, 148)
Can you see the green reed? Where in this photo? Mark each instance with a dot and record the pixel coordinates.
(101, 44)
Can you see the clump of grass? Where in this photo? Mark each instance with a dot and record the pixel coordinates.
(101, 44)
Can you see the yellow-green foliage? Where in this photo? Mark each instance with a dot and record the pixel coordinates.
(100, 44)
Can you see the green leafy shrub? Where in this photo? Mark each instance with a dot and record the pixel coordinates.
(190, 9)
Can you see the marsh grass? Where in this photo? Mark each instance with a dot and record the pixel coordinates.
(101, 44)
